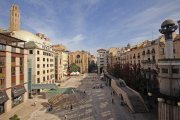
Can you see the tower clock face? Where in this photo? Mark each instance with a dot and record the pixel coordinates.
(78, 56)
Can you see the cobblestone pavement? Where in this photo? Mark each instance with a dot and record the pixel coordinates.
(97, 107)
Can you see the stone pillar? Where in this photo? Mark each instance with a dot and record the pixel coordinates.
(25, 96)
(169, 48)
(98, 70)
(7, 104)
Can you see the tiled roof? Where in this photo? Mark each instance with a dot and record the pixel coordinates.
(101, 50)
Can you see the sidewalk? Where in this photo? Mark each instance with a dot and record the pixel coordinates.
(24, 110)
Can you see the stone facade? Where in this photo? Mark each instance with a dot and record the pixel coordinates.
(81, 58)
(14, 18)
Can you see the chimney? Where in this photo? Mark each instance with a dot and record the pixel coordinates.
(179, 26)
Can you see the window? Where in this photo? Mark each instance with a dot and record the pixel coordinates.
(38, 65)
(164, 70)
(22, 51)
(162, 50)
(38, 59)
(158, 70)
(43, 59)
(12, 70)
(38, 72)
(38, 80)
(43, 71)
(13, 49)
(21, 61)
(30, 51)
(47, 71)
(44, 79)
(49, 54)
(47, 65)
(47, 59)
(43, 65)
(21, 70)
(13, 61)
(60, 61)
(2, 61)
(175, 70)
(48, 77)
(2, 47)
(38, 52)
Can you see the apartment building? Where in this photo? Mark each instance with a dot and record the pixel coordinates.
(42, 64)
(13, 72)
(58, 57)
(101, 60)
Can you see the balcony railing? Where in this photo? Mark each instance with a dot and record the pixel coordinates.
(153, 61)
(143, 61)
(147, 70)
(174, 50)
(143, 53)
(138, 56)
(153, 51)
(148, 52)
(134, 57)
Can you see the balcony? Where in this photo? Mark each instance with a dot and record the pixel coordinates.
(153, 51)
(148, 61)
(147, 70)
(153, 61)
(138, 56)
(148, 52)
(143, 61)
(143, 53)
(174, 50)
(134, 57)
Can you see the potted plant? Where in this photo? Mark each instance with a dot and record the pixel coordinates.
(15, 117)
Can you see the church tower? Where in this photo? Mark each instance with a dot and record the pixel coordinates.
(14, 18)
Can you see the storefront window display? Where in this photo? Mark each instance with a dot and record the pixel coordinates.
(16, 101)
(1, 108)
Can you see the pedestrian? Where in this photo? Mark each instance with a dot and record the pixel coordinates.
(35, 104)
(65, 116)
(71, 107)
(111, 92)
(112, 101)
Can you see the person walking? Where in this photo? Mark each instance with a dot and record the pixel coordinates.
(71, 107)
(112, 101)
(35, 104)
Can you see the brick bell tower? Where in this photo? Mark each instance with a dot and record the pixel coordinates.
(14, 18)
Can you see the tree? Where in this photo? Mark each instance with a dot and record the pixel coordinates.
(74, 68)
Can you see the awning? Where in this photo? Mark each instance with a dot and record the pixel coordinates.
(18, 90)
(3, 97)
(43, 86)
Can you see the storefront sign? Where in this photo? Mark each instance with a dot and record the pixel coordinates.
(18, 90)
(3, 97)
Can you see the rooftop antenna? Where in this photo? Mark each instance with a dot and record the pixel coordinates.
(152, 35)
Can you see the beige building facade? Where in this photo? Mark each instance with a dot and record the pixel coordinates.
(13, 72)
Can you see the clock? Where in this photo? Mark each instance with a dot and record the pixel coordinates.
(78, 56)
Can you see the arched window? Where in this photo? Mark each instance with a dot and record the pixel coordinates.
(15, 14)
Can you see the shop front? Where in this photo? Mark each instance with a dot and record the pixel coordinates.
(3, 99)
(17, 95)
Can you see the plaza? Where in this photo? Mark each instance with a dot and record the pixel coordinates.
(98, 106)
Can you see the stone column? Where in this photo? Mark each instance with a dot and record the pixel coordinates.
(25, 96)
(7, 104)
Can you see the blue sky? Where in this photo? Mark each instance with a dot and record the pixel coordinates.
(93, 24)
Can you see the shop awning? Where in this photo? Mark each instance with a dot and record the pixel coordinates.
(43, 86)
(3, 97)
(18, 90)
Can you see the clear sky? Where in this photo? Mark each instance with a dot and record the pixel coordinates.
(93, 24)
